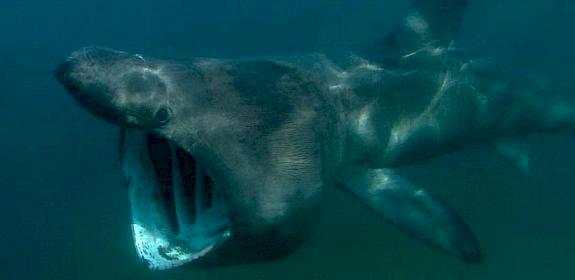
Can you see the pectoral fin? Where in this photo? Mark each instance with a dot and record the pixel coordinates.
(413, 211)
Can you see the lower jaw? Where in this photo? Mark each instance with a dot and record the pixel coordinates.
(178, 215)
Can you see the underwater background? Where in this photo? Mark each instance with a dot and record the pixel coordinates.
(64, 210)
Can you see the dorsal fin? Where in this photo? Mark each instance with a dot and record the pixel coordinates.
(430, 25)
(442, 17)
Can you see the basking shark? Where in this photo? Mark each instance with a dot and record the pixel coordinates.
(226, 159)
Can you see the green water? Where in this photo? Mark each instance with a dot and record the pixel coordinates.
(64, 207)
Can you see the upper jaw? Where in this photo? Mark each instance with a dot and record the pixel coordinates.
(178, 214)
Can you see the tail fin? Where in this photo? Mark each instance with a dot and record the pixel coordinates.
(431, 24)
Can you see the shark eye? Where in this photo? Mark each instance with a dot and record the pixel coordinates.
(163, 115)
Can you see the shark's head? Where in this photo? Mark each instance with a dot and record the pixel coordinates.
(220, 168)
(123, 88)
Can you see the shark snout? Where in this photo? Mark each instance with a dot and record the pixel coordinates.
(83, 60)
(85, 74)
(64, 74)
(116, 86)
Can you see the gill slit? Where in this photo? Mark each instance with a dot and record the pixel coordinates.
(183, 216)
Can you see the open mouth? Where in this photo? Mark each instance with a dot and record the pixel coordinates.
(178, 213)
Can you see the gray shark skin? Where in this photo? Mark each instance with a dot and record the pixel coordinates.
(226, 160)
